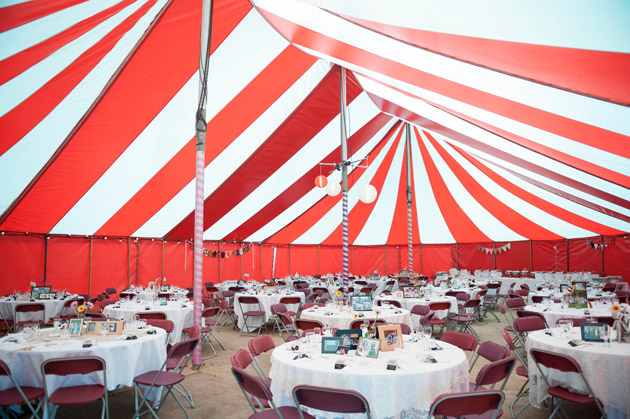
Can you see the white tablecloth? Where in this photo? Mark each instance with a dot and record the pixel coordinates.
(553, 312)
(124, 359)
(266, 301)
(605, 366)
(52, 308)
(408, 303)
(182, 317)
(342, 320)
(405, 393)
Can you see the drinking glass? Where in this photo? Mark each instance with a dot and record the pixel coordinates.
(318, 334)
(56, 322)
(606, 335)
(565, 326)
(310, 337)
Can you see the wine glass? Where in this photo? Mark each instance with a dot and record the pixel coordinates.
(104, 331)
(56, 322)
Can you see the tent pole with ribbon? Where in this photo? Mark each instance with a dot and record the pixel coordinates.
(200, 128)
(409, 202)
(344, 178)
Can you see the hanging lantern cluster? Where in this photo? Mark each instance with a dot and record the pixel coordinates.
(367, 193)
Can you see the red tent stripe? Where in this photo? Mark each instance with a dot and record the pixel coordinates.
(23, 13)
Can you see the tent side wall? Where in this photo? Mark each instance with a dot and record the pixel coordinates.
(91, 264)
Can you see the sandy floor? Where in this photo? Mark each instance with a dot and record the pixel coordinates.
(217, 395)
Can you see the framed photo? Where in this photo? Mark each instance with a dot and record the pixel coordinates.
(330, 282)
(163, 301)
(330, 345)
(75, 327)
(151, 286)
(350, 337)
(343, 349)
(411, 292)
(389, 335)
(368, 346)
(113, 327)
(593, 332)
(46, 296)
(398, 294)
(361, 302)
(92, 327)
(166, 288)
(579, 285)
(270, 290)
(36, 291)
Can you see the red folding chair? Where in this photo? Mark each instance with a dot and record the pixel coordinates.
(288, 331)
(487, 403)
(242, 359)
(163, 378)
(522, 371)
(79, 394)
(209, 316)
(567, 364)
(292, 304)
(18, 395)
(258, 388)
(330, 400)
(303, 325)
(167, 325)
(159, 315)
(257, 346)
(439, 306)
(464, 341)
(247, 313)
(493, 373)
(28, 314)
(67, 311)
(490, 351)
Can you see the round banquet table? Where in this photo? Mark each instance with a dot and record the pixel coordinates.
(180, 314)
(51, 308)
(342, 319)
(605, 366)
(554, 311)
(592, 293)
(266, 301)
(124, 359)
(407, 392)
(408, 303)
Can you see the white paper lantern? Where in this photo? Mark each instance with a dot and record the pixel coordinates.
(333, 188)
(367, 194)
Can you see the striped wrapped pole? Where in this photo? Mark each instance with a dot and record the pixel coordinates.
(409, 219)
(344, 179)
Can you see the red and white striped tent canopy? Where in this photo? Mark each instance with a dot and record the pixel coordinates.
(518, 114)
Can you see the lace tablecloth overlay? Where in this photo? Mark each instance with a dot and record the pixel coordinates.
(605, 366)
(553, 312)
(405, 393)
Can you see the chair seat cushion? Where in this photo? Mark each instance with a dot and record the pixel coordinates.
(77, 394)
(11, 396)
(522, 371)
(564, 394)
(165, 379)
(254, 313)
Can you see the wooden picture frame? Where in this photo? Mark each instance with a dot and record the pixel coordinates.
(269, 290)
(115, 327)
(389, 334)
(372, 349)
(92, 328)
(349, 337)
(75, 327)
(330, 344)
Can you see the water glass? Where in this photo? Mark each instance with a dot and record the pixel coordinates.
(56, 322)
(318, 334)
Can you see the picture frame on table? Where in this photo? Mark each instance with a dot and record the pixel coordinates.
(151, 286)
(330, 282)
(389, 335)
(163, 301)
(46, 296)
(398, 294)
(165, 288)
(593, 332)
(113, 327)
(36, 291)
(361, 302)
(330, 344)
(349, 337)
(369, 346)
(92, 328)
(270, 290)
(411, 292)
(75, 327)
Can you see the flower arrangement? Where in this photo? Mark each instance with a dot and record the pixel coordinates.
(82, 309)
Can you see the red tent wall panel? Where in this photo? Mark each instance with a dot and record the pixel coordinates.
(417, 258)
(109, 265)
(435, 258)
(282, 262)
(617, 257)
(230, 266)
(392, 259)
(251, 262)
(68, 263)
(304, 259)
(514, 258)
(583, 257)
(549, 255)
(134, 247)
(470, 257)
(178, 263)
(21, 261)
(330, 259)
(150, 262)
(368, 259)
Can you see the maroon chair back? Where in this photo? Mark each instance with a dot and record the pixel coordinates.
(356, 324)
(193, 332)
(330, 399)
(252, 385)
(522, 292)
(183, 348)
(527, 313)
(29, 307)
(468, 404)
(537, 298)
(528, 324)
(557, 361)
(260, 344)
(303, 324)
(495, 372)
(278, 308)
(95, 317)
(151, 315)
(241, 359)
(464, 341)
(609, 320)
(420, 309)
(404, 328)
(515, 303)
(167, 325)
(493, 351)
(248, 299)
(440, 305)
(76, 365)
(306, 306)
(577, 321)
(290, 300)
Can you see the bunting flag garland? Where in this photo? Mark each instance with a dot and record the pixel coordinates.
(494, 250)
(225, 255)
(594, 245)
